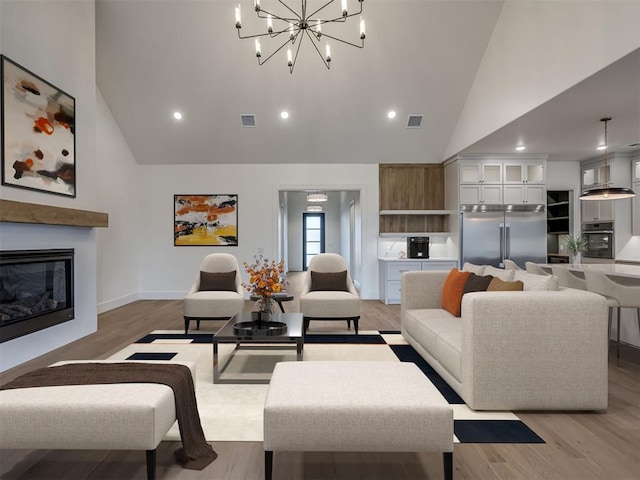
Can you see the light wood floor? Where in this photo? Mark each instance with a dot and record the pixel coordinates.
(580, 445)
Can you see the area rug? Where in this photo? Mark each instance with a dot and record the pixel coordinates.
(233, 412)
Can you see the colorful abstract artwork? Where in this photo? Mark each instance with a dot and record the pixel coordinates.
(205, 220)
(38, 133)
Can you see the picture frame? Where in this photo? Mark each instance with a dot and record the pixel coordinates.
(209, 220)
(38, 132)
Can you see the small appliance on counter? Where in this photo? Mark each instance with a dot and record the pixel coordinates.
(418, 247)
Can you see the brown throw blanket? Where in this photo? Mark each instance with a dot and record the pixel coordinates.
(195, 453)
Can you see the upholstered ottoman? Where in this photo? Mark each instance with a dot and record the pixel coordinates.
(355, 407)
(122, 416)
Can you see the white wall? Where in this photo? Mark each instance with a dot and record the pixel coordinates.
(56, 40)
(117, 195)
(539, 49)
(166, 271)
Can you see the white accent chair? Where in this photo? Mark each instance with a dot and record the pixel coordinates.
(214, 304)
(618, 294)
(329, 304)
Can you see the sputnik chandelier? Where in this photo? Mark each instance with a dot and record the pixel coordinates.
(294, 29)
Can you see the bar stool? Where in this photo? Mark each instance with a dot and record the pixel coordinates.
(534, 268)
(568, 278)
(511, 265)
(624, 296)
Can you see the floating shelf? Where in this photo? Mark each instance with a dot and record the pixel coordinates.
(22, 212)
(416, 212)
(414, 234)
(557, 203)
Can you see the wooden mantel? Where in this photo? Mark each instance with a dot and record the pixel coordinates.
(21, 212)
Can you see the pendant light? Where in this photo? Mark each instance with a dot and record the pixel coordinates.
(607, 192)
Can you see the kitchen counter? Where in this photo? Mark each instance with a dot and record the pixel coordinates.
(430, 259)
(391, 270)
(611, 269)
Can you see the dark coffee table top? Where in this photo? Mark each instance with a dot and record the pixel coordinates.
(294, 328)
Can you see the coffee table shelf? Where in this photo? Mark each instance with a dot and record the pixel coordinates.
(292, 338)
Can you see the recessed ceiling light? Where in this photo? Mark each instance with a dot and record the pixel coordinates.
(177, 115)
(520, 147)
(391, 114)
(601, 147)
(284, 115)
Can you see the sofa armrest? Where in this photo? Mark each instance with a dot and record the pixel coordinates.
(421, 289)
(537, 346)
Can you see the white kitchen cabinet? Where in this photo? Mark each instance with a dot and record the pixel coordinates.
(481, 172)
(391, 271)
(523, 194)
(635, 166)
(597, 210)
(527, 173)
(481, 194)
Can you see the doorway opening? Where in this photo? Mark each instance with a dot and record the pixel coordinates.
(313, 237)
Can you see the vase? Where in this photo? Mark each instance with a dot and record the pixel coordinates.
(575, 258)
(264, 308)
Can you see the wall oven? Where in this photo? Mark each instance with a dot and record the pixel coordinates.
(599, 238)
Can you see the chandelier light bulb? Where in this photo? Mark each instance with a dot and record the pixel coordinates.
(269, 24)
(238, 18)
(362, 32)
(289, 58)
(318, 28)
(256, 5)
(344, 8)
(327, 51)
(291, 34)
(258, 50)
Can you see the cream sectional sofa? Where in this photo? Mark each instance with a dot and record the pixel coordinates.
(528, 350)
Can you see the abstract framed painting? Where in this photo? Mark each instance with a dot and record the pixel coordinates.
(38, 132)
(205, 220)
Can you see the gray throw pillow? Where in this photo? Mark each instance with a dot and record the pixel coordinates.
(329, 281)
(218, 281)
(477, 283)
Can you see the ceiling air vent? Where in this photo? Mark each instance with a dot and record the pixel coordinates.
(248, 120)
(414, 121)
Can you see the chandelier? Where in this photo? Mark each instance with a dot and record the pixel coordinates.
(302, 24)
(317, 197)
(314, 208)
(607, 192)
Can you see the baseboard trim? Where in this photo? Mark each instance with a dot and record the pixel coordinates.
(162, 295)
(117, 302)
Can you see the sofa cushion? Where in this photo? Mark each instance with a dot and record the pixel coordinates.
(502, 274)
(453, 290)
(536, 282)
(498, 285)
(477, 283)
(470, 267)
(217, 281)
(329, 281)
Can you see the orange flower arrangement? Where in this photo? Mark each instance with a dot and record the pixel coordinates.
(266, 277)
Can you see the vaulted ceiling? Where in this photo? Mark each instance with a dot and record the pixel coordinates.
(420, 58)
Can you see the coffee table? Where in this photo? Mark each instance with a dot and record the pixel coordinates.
(294, 336)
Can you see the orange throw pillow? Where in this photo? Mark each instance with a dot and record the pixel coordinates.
(452, 291)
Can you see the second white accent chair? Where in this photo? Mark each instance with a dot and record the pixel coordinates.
(222, 298)
(534, 268)
(618, 294)
(327, 297)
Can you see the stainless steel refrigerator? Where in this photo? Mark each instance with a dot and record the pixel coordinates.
(491, 234)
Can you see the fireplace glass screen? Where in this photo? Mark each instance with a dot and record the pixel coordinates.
(36, 290)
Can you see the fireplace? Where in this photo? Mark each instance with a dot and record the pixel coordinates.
(36, 290)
